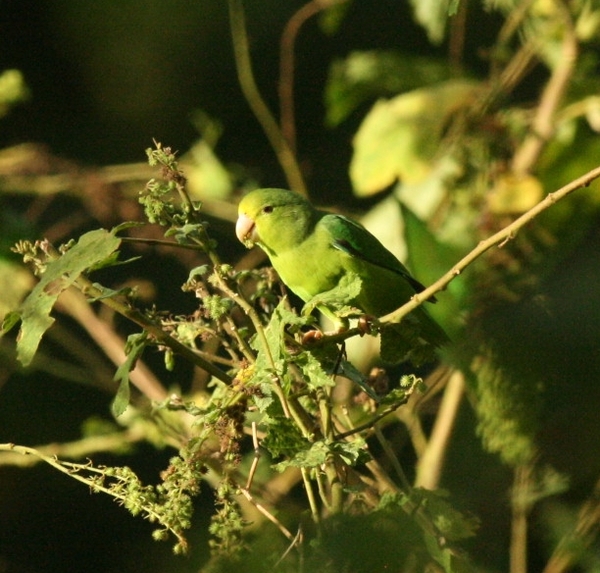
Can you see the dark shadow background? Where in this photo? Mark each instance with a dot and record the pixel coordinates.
(106, 78)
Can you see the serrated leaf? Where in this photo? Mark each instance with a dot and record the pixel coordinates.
(508, 411)
(316, 376)
(352, 452)
(15, 282)
(134, 348)
(60, 274)
(315, 456)
(451, 523)
(338, 298)
(283, 437)
(399, 138)
(274, 335)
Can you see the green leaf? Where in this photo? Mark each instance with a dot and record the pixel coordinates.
(207, 178)
(429, 260)
(60, 274)
(10, 320)
(315, 456)
(433, 16)
(331, 18)
(313, 370)
(508, 410)
(337, 298)
(353, 452)
(13, 89)
(450, 522)
(283, 437)
(367, 75)
(275, 337)
(348, 370)
(134, 348)
(110, 293)
(400, 138)
(273, 359)
(350, 452)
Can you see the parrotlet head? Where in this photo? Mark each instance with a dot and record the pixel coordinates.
(275, 219)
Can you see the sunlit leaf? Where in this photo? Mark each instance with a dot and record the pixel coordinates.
(331, 18)
(433, 16)
(60, 274)
(207, 178)
(514, 195)
(366, 75)
(429, 260)
(399, 138)
(12, 89)
(338, 297)
(15, 282)
(136, 343)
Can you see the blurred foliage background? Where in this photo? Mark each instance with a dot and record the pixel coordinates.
(466, 121)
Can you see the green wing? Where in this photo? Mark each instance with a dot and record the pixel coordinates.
(352, 238)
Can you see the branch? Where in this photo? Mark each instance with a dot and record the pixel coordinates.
(429, 467)
(114, 442)
(543, 123)
(262, 113)
(500, 238)
(521, 504)
(93, 291)
(73, 303)
(94, 477)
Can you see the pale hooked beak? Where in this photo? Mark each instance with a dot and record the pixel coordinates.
(245, 230)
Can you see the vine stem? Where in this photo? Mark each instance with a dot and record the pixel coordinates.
(282, 150)
(287, 65)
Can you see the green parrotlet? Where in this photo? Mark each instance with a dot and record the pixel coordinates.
(313, 250)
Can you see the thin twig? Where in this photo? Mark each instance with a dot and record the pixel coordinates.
(77, 449)
(73, 469)
(543, 124)
(521, 506)
(310, 494)
(584, 534)
(93, 291)
(506, 234)
(429, 468)
(75, 304)
(297, 541)
(256, 457)
(262, 509)
(390, 454)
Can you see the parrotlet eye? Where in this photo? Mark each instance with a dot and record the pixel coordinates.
(267, 209)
